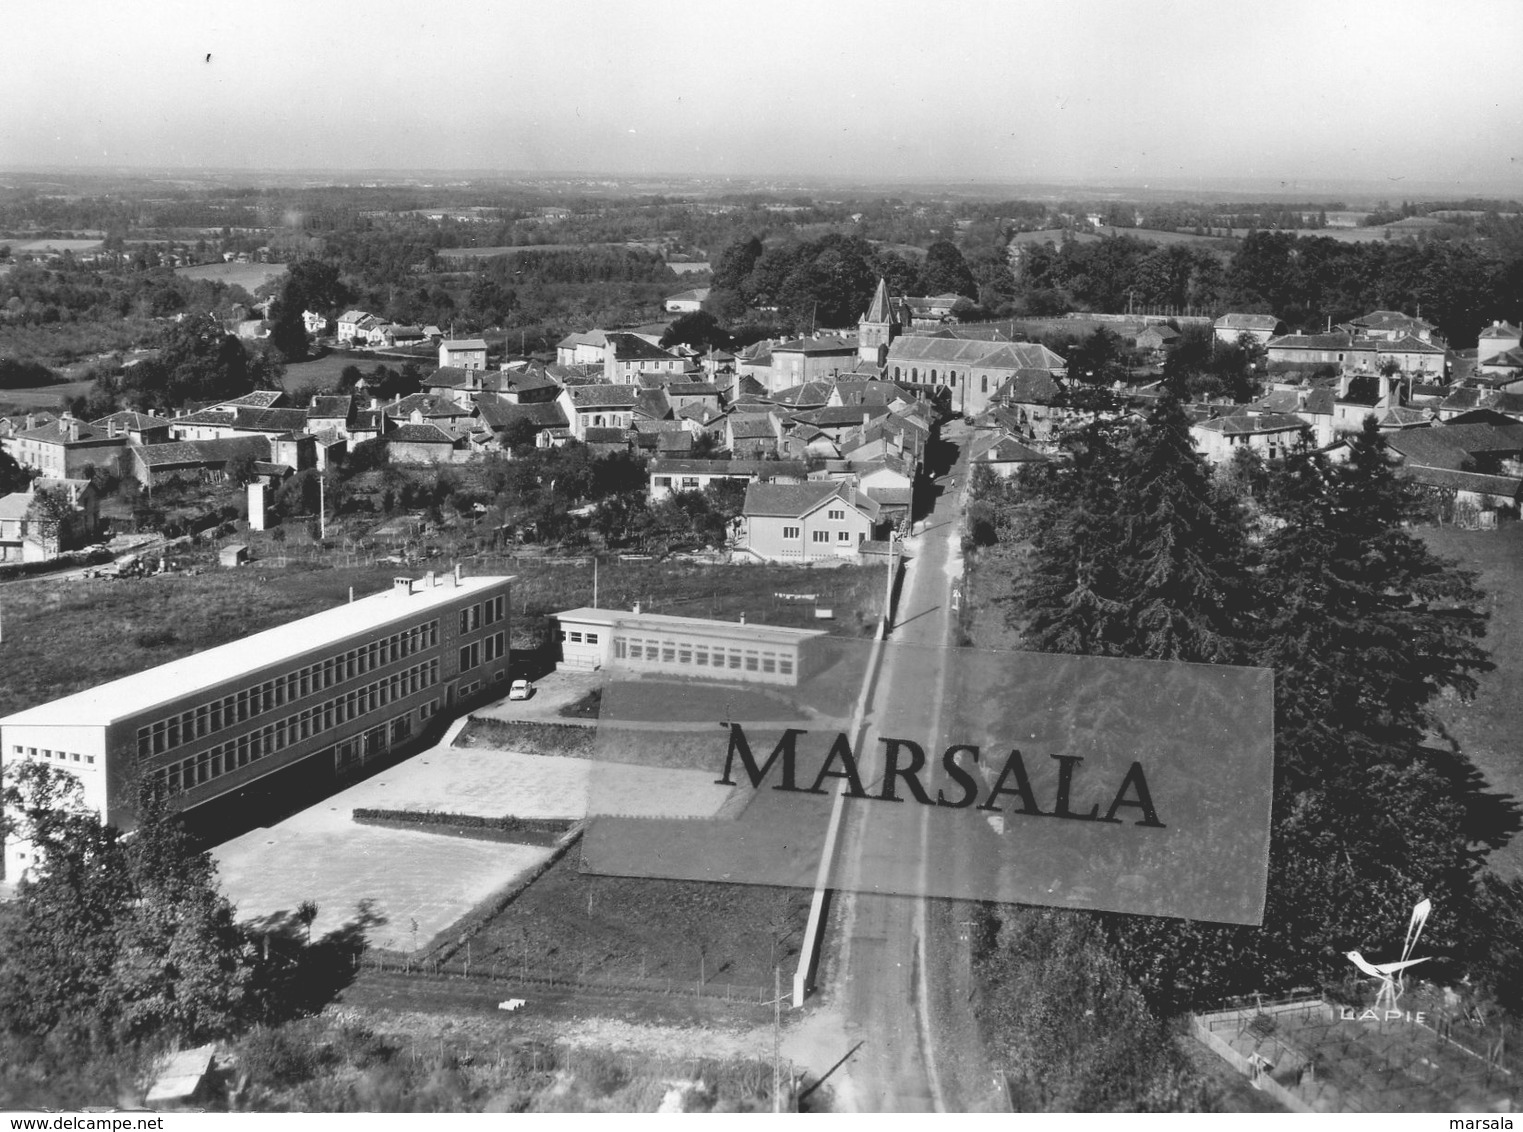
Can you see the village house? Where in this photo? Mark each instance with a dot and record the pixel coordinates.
(1392, 326)
(1314, 405)
(805, 523)
(753, 436)
(755, 362)
(315, 324)
(1155, 340)
(349, 323)
(463, 353)
(1499, 351)
(67, 448)
(597, 406)
(426, 443)
(139, 428)
(809, 359)
(1260, 327)
(627, 356)
(27, 536)
(966, 373)
(153, 464)
(931, 311)
(686, 302)
(583, 348)
(1003, 455)
(1271, 435)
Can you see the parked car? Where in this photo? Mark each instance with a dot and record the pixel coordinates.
(520, 690)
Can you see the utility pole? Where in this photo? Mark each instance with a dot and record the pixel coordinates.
(594, 581)
(322, 508)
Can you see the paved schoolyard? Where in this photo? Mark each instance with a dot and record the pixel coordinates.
(552, 692)
(320, 854)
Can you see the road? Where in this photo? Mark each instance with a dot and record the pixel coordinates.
(920, 1051)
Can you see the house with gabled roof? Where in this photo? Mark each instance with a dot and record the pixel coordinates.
(1003, 454)
(1271, 435)
(1315, 405)
(597, 406)
(965, 373)
(755, 362)
(463, 353)
(751, 436)
(626, 356)
(1260, 327)
(686, 474)
(820, 521)
(66, 447)
(1392, 326)
(349, 324)
(814, 358)
(684, 302)
(140, 428)
(426, 443)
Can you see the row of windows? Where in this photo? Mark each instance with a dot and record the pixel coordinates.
(818, 535)
(473, 617)
(229, 711)
(201, 769)
(702, 656)
(576, 637)
(255, 745)
(61, 756)
(482, 651)
(951, 378)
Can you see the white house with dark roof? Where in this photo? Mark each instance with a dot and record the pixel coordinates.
(1271, 435)
(597, 406)
(627, 356)
(686, 302)
(463, 353)
(1260, 327)
(822, 521)
(669, 475)
(67, 447)
(349, 324)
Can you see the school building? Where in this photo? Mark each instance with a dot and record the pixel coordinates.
(331, 691)
(683, 646)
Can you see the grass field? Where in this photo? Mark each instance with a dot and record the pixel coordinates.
(304, 378)
(1489, 728)
(61, 637)
(249, 276)
(653, 929)
(37, 247)
(47, 397)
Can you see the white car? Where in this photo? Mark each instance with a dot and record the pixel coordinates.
(520, 690)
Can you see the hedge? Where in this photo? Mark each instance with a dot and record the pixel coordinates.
(526, 831)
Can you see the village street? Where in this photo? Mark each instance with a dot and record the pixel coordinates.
(920, 1050)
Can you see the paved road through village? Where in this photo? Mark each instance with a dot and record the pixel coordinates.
(918, 1052)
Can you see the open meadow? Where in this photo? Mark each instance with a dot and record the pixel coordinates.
(249, 276)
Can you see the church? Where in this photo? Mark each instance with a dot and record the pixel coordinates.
(951, 366)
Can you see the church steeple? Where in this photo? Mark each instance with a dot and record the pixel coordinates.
(877, 328)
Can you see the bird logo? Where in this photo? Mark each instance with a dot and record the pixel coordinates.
(1392, 976)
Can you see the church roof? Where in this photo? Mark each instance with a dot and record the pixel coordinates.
(879, 311)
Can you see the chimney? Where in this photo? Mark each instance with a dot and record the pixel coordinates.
(31, 422)
(1303, 396)
(428, 580)
(636, 610)
(457, 573)
(742, 618)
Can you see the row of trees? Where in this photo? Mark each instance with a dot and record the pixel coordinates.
(1138, 551)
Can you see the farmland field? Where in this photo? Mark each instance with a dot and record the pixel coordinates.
(39, 247)
(504, 249)
(47, 397)
(249, 276)
(303, 378)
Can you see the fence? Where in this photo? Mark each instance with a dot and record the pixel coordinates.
(526, 974)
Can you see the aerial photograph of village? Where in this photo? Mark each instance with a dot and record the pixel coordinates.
(836, 558)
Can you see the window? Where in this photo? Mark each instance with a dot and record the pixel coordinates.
(750, 661)
(819, 536)
(701, 656)
(836, 514)
(576, 638)
(684, 654)
(843, 536)
(592, 638)
(668, 652)
(769, 662)
(785, 665)
(689, 483)
(983, 384)
(663, 481)
(618, 649)
(734, 659)
(790, 532)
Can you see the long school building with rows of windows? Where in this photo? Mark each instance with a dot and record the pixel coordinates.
(341, 686)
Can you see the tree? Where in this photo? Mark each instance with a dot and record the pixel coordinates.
(946, 271)
(53, 519)
(698, 329)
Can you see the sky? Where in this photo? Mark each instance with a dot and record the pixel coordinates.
(1177, 93)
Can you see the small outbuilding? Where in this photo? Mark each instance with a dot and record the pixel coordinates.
(233, 554)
